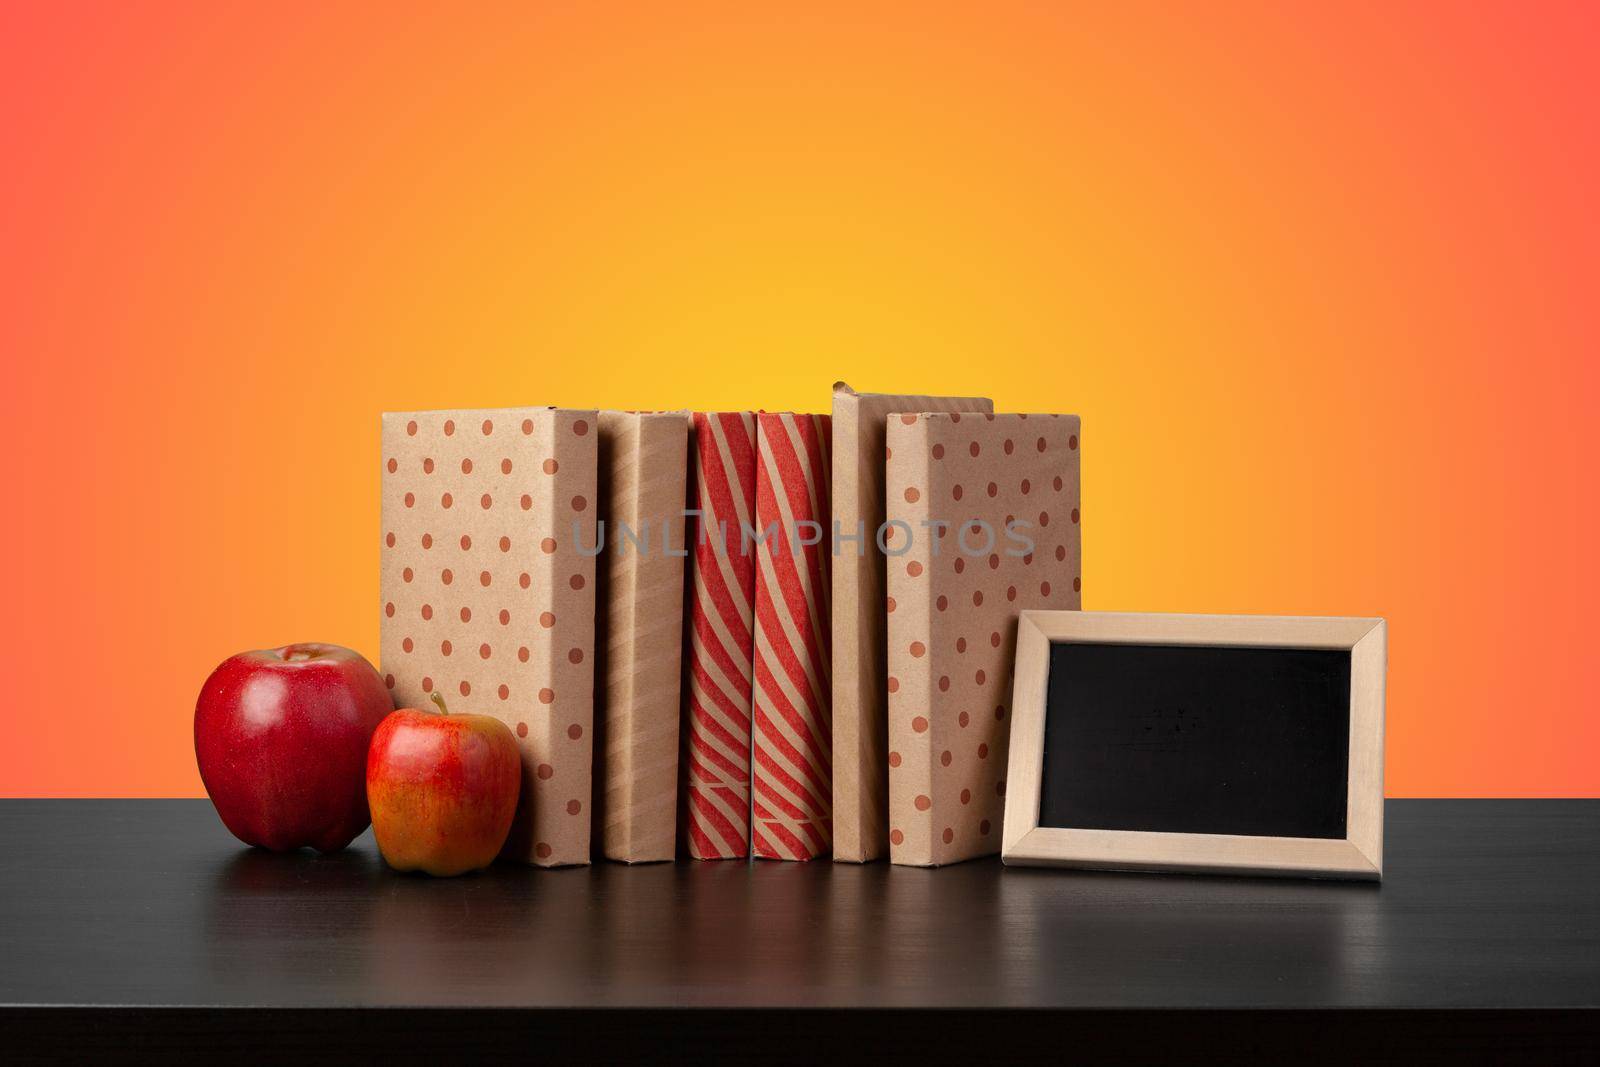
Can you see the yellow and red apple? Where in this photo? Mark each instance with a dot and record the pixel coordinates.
(443, 789)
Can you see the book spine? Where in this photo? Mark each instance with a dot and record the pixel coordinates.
(719, 669)
(643, 461)
(558, 754)
(792, 742)
(857, 751)
(912, 585)
(860, 675)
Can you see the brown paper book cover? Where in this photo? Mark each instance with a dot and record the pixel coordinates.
(985, 514)
(860, 704)
(644, 461)
(791, 757)
(719, 619)
(488, 600)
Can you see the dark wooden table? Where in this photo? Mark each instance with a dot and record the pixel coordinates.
(134, 928)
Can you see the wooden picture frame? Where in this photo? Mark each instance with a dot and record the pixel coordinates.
(1359, 855)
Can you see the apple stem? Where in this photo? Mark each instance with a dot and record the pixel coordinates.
(439, 700)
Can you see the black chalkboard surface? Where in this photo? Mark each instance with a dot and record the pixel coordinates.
(1197, 739)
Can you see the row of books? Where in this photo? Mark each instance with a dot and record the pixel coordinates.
(732, 634)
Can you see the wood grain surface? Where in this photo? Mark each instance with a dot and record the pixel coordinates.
(1489, 910)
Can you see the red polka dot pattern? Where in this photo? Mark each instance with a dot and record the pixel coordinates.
(522, 469)
(947, 714)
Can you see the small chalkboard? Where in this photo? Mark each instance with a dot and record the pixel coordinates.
(1192, 740)
(1250, 744)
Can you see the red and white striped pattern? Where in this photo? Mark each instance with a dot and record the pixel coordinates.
(717, 690)
(792, 757)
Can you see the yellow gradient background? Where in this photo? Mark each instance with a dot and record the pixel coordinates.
(1321, 283)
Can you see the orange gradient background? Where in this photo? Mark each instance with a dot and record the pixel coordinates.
(1321, 283)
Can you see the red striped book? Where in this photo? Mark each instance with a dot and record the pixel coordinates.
(792, 749)
(718, 667)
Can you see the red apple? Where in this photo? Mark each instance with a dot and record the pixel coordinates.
(443, 789)
(281, 736)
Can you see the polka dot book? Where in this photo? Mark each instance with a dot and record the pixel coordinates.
(860, 708)
(487, 600)
(984, 522)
